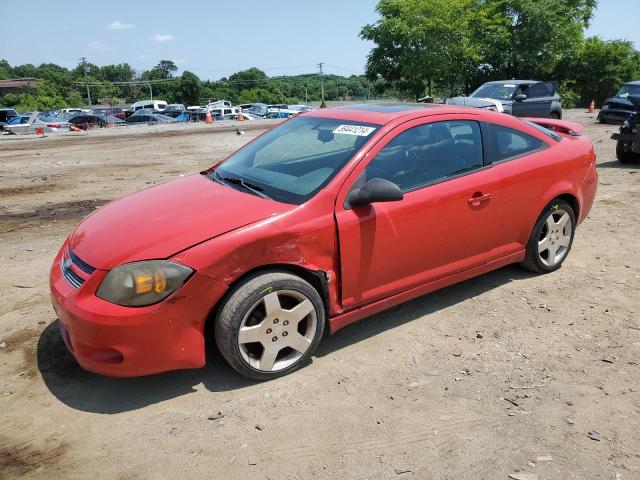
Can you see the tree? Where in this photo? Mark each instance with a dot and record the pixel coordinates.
(418, 41)
(189, 88)
(5, 70)
(602, 67)
(529, 38)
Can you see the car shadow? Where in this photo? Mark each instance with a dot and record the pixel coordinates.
(89, 392)
(617, 164)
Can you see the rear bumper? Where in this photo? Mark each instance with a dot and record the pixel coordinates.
(120, 341)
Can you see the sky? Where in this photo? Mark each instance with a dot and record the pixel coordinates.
(216, 38)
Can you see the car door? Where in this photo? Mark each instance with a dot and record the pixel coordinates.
(539, 98)
(446, 223)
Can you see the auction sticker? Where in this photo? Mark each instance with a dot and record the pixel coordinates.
(354, 130)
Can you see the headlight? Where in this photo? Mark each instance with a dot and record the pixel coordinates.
(142, 283)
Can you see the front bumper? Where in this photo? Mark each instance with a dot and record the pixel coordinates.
(613, 115)
(126, 342)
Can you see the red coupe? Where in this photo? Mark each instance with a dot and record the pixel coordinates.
(319, 222)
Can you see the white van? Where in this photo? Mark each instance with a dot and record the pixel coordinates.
(155, 104)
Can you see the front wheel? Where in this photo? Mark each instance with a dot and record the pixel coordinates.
(624, 155)
(270, 325)
(551, 238)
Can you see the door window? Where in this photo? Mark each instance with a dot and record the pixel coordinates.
(428, 153)
(540, 90)
(511, 143)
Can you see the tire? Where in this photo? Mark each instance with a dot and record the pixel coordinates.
(556, 115)
(261, 307)
(625, 156)
(557, 235)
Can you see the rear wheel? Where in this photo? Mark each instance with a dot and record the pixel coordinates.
(551, 239)
(270, 325)
(556, 115)
(624, 155)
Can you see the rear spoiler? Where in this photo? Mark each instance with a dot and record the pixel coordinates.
(559, 126)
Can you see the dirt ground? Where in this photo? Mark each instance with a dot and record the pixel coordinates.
(507, 372)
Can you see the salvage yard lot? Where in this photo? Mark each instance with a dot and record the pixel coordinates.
(506, 372)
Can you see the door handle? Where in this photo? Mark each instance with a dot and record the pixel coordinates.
(479, 198)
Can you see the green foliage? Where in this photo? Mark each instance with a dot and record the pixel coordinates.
(602, 67)
(570, 98)
(416, 41)
(456, 45)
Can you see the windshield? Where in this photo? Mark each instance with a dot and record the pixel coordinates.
(627, 90)
(296, 159)
(497, 91)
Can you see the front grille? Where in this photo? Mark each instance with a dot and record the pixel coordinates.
(85, 267)
(70, 260)
(620, 106)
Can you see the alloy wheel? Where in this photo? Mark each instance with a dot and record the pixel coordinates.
(277, 330)
(555, 238)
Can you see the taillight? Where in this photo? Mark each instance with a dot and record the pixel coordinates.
(53, 125)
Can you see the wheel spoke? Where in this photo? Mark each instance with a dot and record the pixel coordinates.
(551, 224)
(553, 251)
(563, 221)
(299, 312)
(250, 334)
(272, 304)
(299, 343)
(544, 244)
(268, 358)
(564, 240)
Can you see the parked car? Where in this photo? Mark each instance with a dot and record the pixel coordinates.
(36, 122)
(6, 114)
(177, 111)
(149, 118)
(74, 110)
(628, 139)
(278, 111)
(257, 109)
(618, 108)
(300, 109)
(93, 121)
(117, 112)
(323, 220)
(158, 105)
(522, 98)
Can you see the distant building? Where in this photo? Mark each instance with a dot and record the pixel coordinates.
(15, 85)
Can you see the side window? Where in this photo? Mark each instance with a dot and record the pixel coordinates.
(539, 90)
(428, 153)
(512, 143)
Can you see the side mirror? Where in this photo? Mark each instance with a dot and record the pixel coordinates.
(375, 190)
(521, 97)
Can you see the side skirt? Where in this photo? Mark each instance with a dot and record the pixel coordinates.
(340, 321)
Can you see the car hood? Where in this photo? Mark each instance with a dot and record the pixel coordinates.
(478, 102)
(166, 219)
(619, 102)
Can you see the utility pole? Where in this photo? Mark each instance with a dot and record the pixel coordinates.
(322, 104)
(86, 81)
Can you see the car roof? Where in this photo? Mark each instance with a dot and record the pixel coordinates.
(514, 82)
(637, 82)
(385, 113)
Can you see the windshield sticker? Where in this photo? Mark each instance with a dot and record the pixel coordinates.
(354, 130)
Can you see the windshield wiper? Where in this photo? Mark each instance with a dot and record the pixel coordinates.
(256, 190)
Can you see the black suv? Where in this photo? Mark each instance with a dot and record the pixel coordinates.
(628, 146)
(617, 109)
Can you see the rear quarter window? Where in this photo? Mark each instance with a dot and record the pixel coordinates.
(510, 143)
